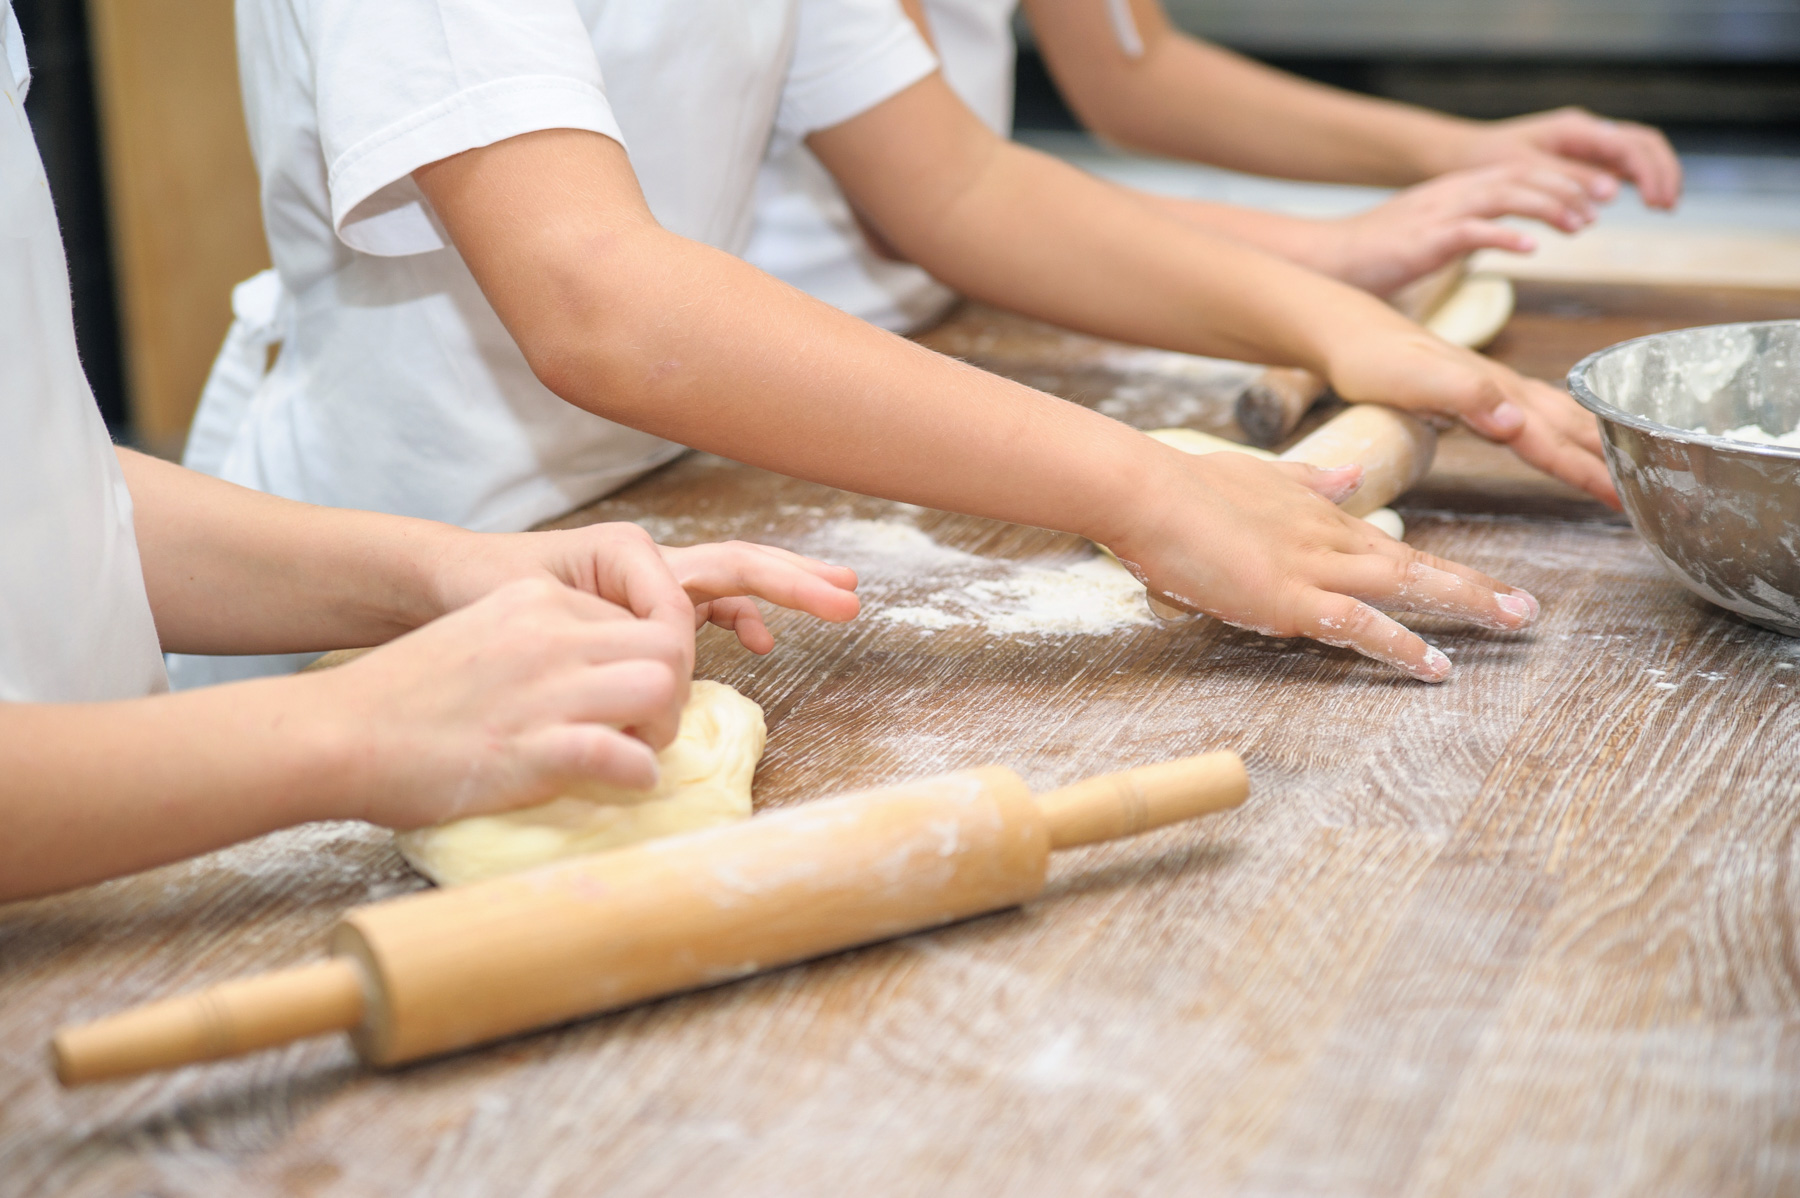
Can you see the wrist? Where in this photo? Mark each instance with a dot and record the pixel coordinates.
(327, 752)
(1444, 144)
(450, 568)
(1135, 473)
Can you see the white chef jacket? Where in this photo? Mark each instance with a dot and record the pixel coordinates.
(74, 620)
(396, 387)
(805, 232)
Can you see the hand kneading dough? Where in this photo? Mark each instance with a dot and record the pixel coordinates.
(1189, 440)
(706, 774)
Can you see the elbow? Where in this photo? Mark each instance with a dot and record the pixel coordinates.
(580, 322)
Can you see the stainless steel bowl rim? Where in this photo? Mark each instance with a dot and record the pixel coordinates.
(1585, 396)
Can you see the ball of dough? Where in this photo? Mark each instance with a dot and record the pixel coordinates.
(706, 773)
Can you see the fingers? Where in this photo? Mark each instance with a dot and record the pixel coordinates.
(1543, 444)
(573, 753)
(734, 568)
(1416, 586)
(740, 615)
(1631, 151)
(1564, 414)
(1351, 624)
(628, 568)
(1466, 236)
(1515, 199)
(1484, 406)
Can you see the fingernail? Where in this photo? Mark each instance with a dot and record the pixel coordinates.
(1530, 601)
(1514, 606)
(1506, 418)
(1437, 666)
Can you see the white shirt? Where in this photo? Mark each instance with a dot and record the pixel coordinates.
(805, 232)
(396, 388)
(74, 621)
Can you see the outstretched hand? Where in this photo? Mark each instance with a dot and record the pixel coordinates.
(1418, 372)
(1436, 222)
(1275, 554)
(1597, 152)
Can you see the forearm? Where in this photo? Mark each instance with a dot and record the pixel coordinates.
(1187, 99)
(723, 358)
(94, 790)
(231, 570)
(1297, 239)
(660, 333)
(1021, 230)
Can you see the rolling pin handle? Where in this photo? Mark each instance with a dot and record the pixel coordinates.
(1273, 405)
(224, 1021)
(1124, 804)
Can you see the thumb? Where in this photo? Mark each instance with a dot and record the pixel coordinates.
(576, 753)
(1488, 411)
(1336, 483)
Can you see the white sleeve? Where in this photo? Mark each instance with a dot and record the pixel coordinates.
(849, 56)
(404, 83)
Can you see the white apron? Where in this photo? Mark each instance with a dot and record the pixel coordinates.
(74, 621)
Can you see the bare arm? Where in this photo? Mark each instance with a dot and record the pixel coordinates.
(1186, 98)
(231, 570)
(1022, 230)
(544, 674)
(622, 318)
(505, 702)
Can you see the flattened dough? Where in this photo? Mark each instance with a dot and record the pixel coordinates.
(1189, 440)
(706, 774)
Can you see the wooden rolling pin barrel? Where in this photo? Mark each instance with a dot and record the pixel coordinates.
(436, 972)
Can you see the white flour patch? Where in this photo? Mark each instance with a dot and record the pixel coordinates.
(887, 547)
(921, 617)
(1089, 596)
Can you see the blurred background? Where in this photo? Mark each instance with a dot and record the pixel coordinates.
(135, 105)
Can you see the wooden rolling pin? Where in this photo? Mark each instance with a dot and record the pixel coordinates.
(1393, 448)
(1274, 403)
(432, 973)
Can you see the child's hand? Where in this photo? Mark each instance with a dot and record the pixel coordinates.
(720, 577)
(1262, 545)
(1434, 223)
(683, 588)
(1411, 369)
(1597, 152)
(504, 703)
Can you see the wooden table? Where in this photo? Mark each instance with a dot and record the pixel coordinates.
(1531, 932)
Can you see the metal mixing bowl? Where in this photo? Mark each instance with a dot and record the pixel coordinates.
(1722, 515)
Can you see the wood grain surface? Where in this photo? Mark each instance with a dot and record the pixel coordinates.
(1530, 932)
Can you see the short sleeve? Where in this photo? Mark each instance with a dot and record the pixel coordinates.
(404, 83)
(849, 56)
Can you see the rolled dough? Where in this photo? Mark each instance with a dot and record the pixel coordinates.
(706, 774)
(1473, 314)
(1189, 440)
